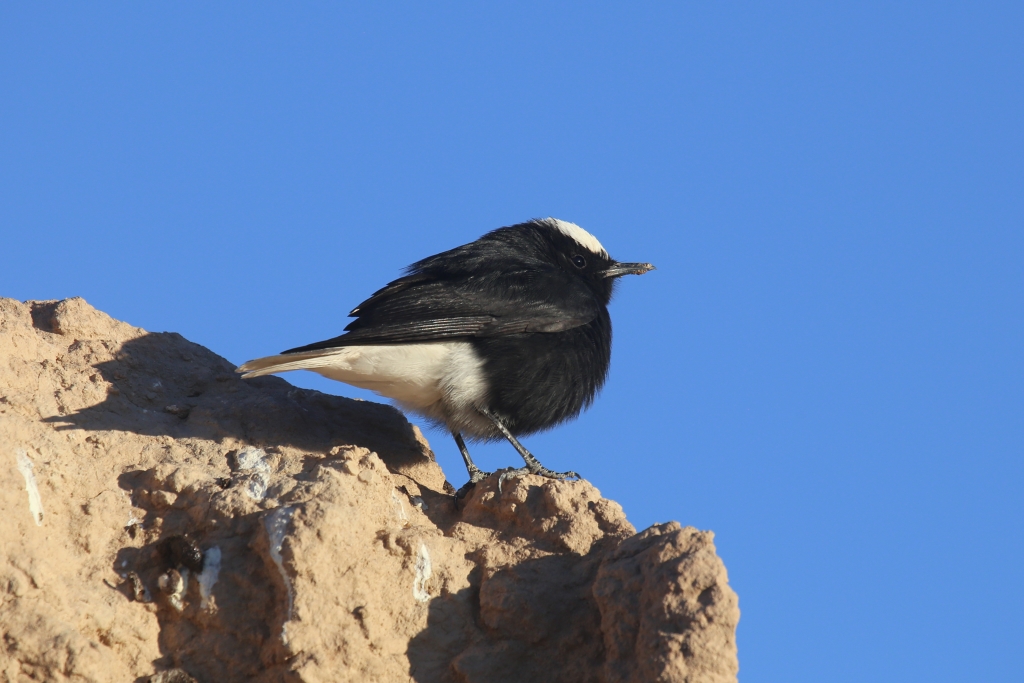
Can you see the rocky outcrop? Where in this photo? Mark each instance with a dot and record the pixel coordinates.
(165, 519)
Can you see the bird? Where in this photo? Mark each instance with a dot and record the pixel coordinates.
(502, 337)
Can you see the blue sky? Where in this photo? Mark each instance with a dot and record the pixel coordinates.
(826, 368)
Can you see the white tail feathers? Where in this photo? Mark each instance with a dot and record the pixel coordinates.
(307, 360)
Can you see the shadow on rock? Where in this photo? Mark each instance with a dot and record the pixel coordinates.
(535, 621)
(163, 385)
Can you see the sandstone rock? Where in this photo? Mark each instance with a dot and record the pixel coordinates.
(184, 524)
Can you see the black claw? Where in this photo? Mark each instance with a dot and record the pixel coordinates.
(510, 473)
(561, 476)
(463, 491)
(478, 476)
(475, 478)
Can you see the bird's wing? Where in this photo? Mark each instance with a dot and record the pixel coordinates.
(423, 308)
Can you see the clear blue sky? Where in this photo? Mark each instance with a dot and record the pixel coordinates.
(826, 368)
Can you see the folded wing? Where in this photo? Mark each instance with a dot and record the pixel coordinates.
(424, 308)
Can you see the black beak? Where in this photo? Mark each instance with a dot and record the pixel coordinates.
(618, 269)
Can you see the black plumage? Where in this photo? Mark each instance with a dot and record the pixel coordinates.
(530, 300)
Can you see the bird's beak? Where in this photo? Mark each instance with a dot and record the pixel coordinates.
(618, 269)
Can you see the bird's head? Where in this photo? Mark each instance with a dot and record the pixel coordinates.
(577, 251)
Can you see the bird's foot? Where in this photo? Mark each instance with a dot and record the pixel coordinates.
(540, 470)
(475, 477)
(511, 473)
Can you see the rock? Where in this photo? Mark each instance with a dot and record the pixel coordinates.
(189, 525)
(667, 613)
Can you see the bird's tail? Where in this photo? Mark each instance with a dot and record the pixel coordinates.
(305, 360)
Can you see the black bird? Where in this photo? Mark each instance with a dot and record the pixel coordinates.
(505, 336)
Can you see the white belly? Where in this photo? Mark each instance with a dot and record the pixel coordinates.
(442, 380)
(416, 375)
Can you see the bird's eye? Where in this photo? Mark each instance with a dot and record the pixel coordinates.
(579, 261)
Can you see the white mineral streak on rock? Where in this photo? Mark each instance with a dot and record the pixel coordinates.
(423, 574)
(208, 577)
(253, 461)
(253, 458)
(399, 507)
(132, 520)
(276, 524)
(35, 503)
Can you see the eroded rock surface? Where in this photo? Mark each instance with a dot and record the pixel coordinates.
(164, 518)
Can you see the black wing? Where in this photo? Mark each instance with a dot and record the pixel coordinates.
(434, 306)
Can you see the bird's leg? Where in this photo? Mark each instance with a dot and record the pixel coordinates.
(475, 473)
(533, 465)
